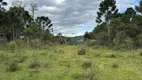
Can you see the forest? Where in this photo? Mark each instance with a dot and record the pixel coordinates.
(29, 49)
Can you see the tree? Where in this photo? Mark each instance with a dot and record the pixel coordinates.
(88, 35)
(2, 3)
(33, 9)
(18, 3)
(139, 8)
(109, 11)
(17, 19)
(128, 16)
(45, 23)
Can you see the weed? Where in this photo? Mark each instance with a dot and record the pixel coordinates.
(140, 53)
(12, 45)
(35, 64)
(81, 52)
(111, 56)
(115, 65)
(86, 65)
(13, 66)
(22, 59)
(97, 55)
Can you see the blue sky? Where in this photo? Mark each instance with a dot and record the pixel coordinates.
(72, 17)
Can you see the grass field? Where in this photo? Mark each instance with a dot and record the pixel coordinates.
(62, 62)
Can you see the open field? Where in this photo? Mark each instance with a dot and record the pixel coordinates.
(62, 62)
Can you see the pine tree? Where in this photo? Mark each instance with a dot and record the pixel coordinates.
(108, 10)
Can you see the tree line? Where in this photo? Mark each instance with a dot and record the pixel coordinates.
(119, 30)
(17, 23)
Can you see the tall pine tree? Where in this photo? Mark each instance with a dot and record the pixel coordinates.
(108, 11)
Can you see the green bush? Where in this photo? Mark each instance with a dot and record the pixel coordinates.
(90, 74)
(13, 66)
(21, 44)
(22, 59)
(140, 53)
(12, 45)
(97, 55)
(34, 64)
(123, 43)
(86, 65)
(115, 65)
(82, 52)
(111, 56)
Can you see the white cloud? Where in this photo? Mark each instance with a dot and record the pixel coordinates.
(60, 1)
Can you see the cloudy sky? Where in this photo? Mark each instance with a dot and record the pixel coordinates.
(72, 17)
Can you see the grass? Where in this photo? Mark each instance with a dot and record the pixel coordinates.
(62, 62)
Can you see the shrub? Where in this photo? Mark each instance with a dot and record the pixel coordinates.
(111, 56)
(21, 44)
(82, 52)
(123, 42)
(61, 51)
(35, 64)
(90, 74)
(86, 65)
(115, 65)
(12, 45)
(97, 55)
(22, 59)
(140, 53)
(13, 66)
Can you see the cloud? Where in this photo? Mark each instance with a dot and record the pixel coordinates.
(70, 15)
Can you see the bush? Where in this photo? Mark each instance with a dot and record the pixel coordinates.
(22, 59)
(90, 74)
(123, 43)
(35, 64)
(12, 45)
(13, 66)
(21, 44)
(111, 56)
(115, 65)
(97, 55)
(82, 52)
(86, 65)
(140, 53)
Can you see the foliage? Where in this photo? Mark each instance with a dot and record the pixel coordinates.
(12, 45)
(121, 32)
(81, 52)
(115, 65)
(108, 9)
(86, 65)
(34, 64)
(13, 66)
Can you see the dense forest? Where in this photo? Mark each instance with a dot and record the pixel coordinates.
(29, 49)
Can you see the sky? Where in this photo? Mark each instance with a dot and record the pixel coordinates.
(72, 17)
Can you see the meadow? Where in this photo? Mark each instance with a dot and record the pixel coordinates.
(62, 62)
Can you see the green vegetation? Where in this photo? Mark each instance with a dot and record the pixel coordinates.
(117, 30)
(29, 50)
(63, 63)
